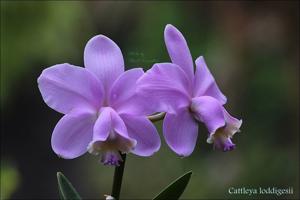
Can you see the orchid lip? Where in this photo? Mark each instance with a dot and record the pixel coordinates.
(111, 158)
(110, 149)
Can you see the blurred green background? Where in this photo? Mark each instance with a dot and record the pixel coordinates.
(252, 48)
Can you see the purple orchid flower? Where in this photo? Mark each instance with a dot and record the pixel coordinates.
(103, 114)
(188, 97)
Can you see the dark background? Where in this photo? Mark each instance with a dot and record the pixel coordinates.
(252, 48)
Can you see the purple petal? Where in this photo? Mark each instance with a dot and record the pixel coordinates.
(221, 137)
(139, 105)
(232, 124)
(124, 87)
(73, 133)
(223, 143)
(209, 111)
(119, 125)
(144, 132)
(204, 82)
(104, 58)
(180, 131)
(123, 96)
(111, 158)
(107, 123)
(167, 85)
(103, 125)
(178, 50)
(65, 87)
(110, 133)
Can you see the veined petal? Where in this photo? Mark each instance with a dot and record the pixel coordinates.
(181, 132)
(65, 87)
(73, 133)
(104, 58)
(205, 84)
(178, 50)
(167, 85)
(144, 132)
(209, 111)
(124, 87)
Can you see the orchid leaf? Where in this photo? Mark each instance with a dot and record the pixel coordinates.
(66, 189)
(175, 189)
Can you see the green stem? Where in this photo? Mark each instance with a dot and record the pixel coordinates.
(156, 117)
(119, 170)
(118, 176)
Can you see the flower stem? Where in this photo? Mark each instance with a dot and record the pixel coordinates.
(118, 176)
(156, 117)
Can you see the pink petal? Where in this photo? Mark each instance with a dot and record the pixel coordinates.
(180, 131)
(65, 87)
(73, 133)
(204, 82)
(144, 132)
(179, 50)
(104, 58)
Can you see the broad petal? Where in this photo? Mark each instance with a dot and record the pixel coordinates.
(124, 87)
(178, 50)
(73, 133)
(140, 105)
(144, 132)
(209, 111)
(205, 84)
(180, 131)
(166, 84)
(65, 87)
(124, 97)
(104, 58)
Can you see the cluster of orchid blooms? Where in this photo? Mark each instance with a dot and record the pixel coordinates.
(106, 109)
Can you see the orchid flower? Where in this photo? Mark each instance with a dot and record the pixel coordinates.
(102, 113)
(188, 98)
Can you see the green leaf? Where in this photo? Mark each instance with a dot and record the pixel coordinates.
(66, 189)
(175, 189)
